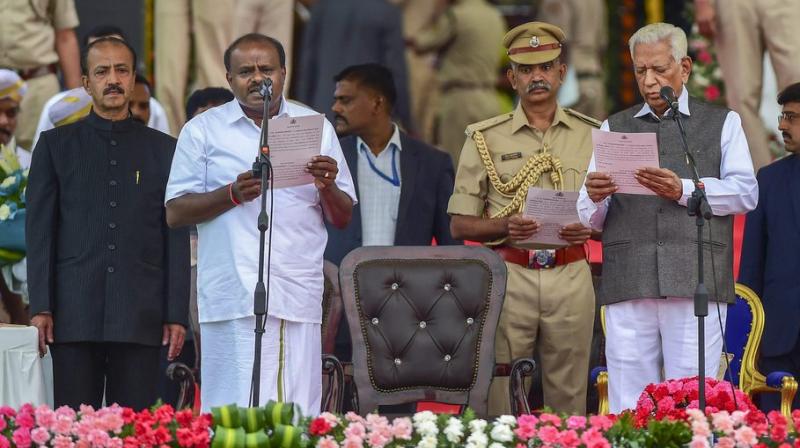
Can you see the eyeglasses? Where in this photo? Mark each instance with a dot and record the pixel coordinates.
(788, 116)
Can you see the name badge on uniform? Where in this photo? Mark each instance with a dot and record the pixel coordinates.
(512, 156)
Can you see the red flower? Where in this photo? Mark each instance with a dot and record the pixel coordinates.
(712, 93)
(319, 427)
(164, 414)
(184, 418)
(185, 437)
(704, 57)
(128, 416)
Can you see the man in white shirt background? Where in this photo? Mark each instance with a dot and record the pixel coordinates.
(211, 185)
(649, 242)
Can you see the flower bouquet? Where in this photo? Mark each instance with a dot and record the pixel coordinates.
(706, 81)
(672, 398)
(13, 181)
(109, 427)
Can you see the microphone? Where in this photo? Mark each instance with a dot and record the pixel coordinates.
(266, 88)
(668, 94)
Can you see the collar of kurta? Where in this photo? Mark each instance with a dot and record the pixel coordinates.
(520, 120)
(98, 122)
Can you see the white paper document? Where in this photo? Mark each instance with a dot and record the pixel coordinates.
(620, 154)
(552, 209)
(293, 141)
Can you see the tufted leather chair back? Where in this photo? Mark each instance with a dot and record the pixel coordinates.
(422, 321)
(331, 306)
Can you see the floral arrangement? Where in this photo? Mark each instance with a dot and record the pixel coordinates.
(280, 425)
(706, 80)
(109, 427)
(13, 181)
(671, 399)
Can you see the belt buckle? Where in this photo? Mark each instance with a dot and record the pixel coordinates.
(542, 258)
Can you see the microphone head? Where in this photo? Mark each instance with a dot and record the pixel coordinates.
(667, 94)
(266, 88)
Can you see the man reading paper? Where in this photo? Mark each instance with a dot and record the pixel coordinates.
(649, 245)
(549, 298)
(211, 186)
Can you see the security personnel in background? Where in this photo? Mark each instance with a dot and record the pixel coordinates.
(585, 22)
(465, 36)
(549, 297)
(37, 37)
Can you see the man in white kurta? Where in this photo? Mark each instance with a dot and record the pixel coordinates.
(213, 149)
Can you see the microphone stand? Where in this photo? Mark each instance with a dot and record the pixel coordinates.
(697, 206)
(262, 167)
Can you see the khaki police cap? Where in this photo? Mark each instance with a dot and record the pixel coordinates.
(534, 43)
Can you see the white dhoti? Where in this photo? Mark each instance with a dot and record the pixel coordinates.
(652, 340)
(291, 363)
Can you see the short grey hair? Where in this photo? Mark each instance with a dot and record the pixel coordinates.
(658, 32)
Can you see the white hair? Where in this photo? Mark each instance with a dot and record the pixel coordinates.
(659, 32)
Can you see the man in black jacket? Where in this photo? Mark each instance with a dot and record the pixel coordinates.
(109, 282)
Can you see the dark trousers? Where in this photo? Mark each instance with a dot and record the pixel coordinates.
(84, 371)
(790, 363)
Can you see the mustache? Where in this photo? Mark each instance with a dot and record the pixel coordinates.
(113, 89)
(538, 85)
(786, 135)
(338, 117)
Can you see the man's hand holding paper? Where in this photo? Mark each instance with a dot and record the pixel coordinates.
(555, 217)
(620, 160)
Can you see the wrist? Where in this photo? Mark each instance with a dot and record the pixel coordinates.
(232, 196)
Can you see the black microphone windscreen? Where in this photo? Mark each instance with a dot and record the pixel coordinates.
(667, 94)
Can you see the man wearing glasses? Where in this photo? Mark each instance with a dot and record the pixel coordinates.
(771, 251)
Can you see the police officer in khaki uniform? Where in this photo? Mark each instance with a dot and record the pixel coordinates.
(36, 37)
(466, 36)
(584, 21)
(549, 297)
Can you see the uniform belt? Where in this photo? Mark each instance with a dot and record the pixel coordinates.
(30, 73)
(541, 258)
(450, 85)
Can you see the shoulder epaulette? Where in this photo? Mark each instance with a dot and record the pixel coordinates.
(488, 123)
(584, 118)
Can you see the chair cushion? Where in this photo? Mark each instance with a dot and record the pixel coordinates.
(422, 321)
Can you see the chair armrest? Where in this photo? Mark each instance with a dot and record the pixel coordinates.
(183, 375)
(520, 369)
(599, 377)
(333, 387)
(787, 385)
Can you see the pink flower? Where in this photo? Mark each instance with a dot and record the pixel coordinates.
(86, 410)
(45, 416)
(25, 420)
(353, 417)
(548, 434)
(353, 442)
(704, 57)
(330, 418)
(327, 442)
(745, 435)
(593, 438)
(722, 421)
(402, 428)
(377, 440)
(601, 422)
(66, 411)
(3, 423)
(4, 443)
(568, 439)
(665, 405)
(576, 422)
(355, 430)
(7, 411)
(22, 438)
(699, 442)
(60, 441)
(550, 418)
(62, 425)
(526, 426)
(40, 436)
(725, 442)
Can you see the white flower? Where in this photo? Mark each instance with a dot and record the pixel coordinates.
(700, 80)
(8, 181)
(5, 212)
(717, 73)
(502, 433)
(477, 425)
(477, 440)
(424, 416)
(428, 442)
(509, 420)
(454, 430)
(427, 429)
(497, 445)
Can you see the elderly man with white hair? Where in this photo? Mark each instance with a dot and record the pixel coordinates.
(649, 242)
